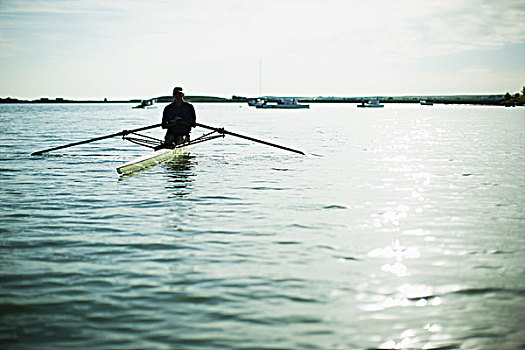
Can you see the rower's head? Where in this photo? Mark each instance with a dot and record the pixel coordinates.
(178, 95)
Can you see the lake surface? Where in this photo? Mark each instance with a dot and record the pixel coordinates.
(408, 232)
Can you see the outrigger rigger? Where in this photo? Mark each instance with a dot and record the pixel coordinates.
(166, 152)
(162, 153)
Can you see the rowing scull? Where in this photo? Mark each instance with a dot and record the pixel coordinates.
(159, 156)
(163, 154)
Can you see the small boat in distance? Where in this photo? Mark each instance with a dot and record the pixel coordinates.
(146, 104)
(283, 103)
(373, 103)
(256, 102)
(426, 103)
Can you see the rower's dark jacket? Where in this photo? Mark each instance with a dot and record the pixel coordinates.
(184, 111)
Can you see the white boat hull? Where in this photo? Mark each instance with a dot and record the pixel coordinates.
(151, 159)
(284, 106)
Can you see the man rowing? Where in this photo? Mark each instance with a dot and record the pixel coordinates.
(178, 117)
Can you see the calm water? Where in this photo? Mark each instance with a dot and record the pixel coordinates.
(408, 233)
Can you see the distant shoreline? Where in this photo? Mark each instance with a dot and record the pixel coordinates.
(492, 100)
(157, 99)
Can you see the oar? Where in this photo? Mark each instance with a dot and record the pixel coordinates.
(121, 133)
(226, 132)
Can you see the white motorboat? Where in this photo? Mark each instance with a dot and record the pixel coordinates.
(371, 104)
(283, 103)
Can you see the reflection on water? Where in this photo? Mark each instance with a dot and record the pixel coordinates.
(180, 174)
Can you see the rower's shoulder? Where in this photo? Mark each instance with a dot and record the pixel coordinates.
(190, 107)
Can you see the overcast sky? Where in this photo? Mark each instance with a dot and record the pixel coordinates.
(138, 49)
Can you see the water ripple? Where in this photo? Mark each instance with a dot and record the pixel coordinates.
(408, 233)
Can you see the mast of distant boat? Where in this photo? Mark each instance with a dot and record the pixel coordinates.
(260, 77)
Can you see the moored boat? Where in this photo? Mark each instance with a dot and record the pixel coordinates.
(426, 103)
(256, 102)
(146, 104)
(283, 103)
(371, 104)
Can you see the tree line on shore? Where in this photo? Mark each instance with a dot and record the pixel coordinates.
(516, 99)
